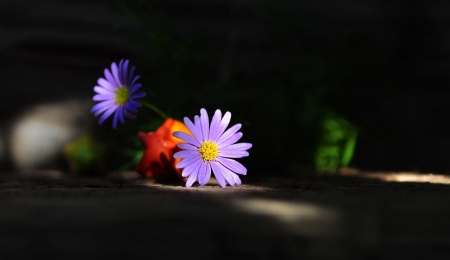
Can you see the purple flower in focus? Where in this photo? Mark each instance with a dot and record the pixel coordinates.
(211, 149)
(116, 93)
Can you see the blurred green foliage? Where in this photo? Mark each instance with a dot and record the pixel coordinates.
(337, 144)
(85, 155)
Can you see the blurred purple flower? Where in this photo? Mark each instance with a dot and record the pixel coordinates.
(116, 93)
(211, 149)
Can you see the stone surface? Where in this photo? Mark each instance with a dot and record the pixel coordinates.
(47, 215)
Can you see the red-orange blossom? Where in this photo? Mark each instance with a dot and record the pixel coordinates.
(159, 147)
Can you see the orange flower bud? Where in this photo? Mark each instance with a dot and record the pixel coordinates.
(159, 147)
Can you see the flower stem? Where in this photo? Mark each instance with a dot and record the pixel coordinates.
(155, 109)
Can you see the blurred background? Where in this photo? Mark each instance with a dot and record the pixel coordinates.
(317, 85)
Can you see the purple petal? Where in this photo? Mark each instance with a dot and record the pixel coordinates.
(101, 90)
(139, 94)
(232, 165)
(204, 120)
(186, 137)
(189, 169)
(130, 108)
(218, 174)
(107, 114)
(102, 105)
(124, 78)
(192, 177)
(115, 72)
(98, 112)
(198, 125)
(191, 180)
(187, 146)
(185, 153)
(233, 153)
(130, 76)
(115, 119)
(120, 72)
(105, 84)
(188, 161)
(223, 124)
(229, 133)
(236, 178)
(136, 87)
(134, 80)
(207, 176)
(227, 175)
(110, 79)
(194, 130)
(102, 97)
(121, 117)
(202, 172)
(238, 147)
(134, 103)
(231, 140)
(215, 122)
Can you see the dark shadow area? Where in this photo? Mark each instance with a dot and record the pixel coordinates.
(337, 218)
(284, 69)
(316, 85)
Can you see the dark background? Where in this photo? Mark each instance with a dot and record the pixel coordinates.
(278, 66)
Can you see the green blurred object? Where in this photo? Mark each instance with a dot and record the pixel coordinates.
(85, 155)
(337, 143)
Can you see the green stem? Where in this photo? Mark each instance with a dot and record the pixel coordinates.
(155, 109)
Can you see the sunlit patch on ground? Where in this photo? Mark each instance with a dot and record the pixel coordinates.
(306, 219)
(211, 187)
(43, 174)
(397, 176)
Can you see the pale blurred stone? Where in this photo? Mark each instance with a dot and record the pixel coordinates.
(39, 135)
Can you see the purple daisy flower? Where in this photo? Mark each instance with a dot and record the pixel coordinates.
(116, 93)
(210, 149)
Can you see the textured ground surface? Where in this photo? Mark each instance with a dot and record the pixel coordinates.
(341, 217)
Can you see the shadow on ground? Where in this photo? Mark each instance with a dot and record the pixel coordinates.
(309, 218)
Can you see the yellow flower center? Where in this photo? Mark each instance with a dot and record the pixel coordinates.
(122, 95)
(209, 151)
